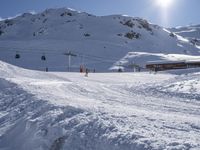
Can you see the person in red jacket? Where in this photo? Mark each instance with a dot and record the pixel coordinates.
(81, 69)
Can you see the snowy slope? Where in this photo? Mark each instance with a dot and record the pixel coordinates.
(191, 32)
(142, 58)
(188, 31)
(98, 41)
(42, 111)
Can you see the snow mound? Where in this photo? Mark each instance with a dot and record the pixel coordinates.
(185, 85)
(35, 124)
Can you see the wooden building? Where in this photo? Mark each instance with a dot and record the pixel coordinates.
(193, 64)
(170, 65)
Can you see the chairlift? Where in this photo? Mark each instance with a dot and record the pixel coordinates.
(17, 56)
(43, 58)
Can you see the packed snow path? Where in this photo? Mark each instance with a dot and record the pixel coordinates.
(113, 111)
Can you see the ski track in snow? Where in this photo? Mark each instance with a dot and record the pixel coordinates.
(117, 110)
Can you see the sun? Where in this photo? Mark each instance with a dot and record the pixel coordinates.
(164, 3)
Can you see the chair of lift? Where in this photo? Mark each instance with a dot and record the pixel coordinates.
(17, 56)
(43, 57)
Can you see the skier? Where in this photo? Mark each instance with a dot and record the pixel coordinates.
(119, 70)
(81, 69)
(156, 70)
(86, 72)
(139, 69)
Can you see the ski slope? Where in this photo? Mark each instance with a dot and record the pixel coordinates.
(104, 111)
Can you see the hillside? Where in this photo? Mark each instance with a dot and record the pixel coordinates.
(98, 41)
(191, 32)
(105, 111)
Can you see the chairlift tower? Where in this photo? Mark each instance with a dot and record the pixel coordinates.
(69, 54)
(134, 66)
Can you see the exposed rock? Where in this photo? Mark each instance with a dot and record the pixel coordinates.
(86, 34)
(144, 24)
(1, 32)
(132, 35)
(172, 34)
(8, 22)
(128, 23)
(120, 34)
(65, 14)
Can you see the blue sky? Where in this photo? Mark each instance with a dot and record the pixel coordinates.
(180, 12)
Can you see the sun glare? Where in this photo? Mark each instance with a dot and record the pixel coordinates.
(164, 3)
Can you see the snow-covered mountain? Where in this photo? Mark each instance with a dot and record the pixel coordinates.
(191, 32)
(99, 42)
(105, 111)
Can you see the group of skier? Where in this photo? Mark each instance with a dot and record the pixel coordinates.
(85, 70)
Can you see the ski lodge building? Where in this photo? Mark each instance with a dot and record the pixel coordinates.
(170, 65)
